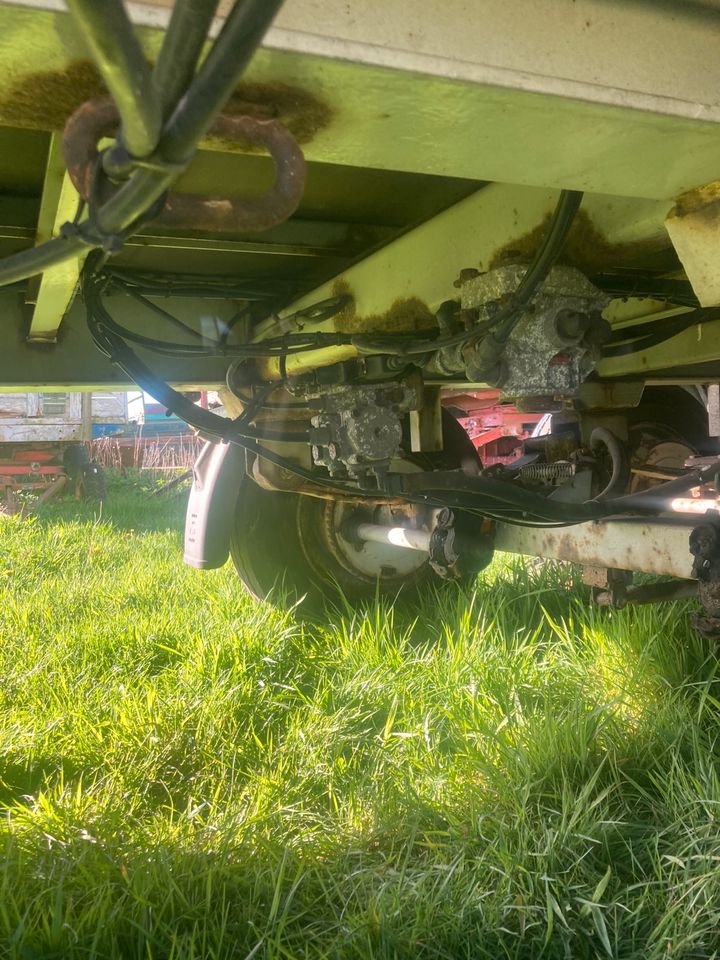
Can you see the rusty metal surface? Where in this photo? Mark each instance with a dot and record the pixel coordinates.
(694, 228)
(649, 546)
(99, 118)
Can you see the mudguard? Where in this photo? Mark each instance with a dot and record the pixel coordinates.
(217, 476)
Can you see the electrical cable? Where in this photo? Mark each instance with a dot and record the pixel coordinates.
(672, 292)
(286, 345)
(494, 498)
(165, 314)
(292, 344)
(474, 493)
(206, 287)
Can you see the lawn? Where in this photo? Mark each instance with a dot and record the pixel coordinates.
(185, 773)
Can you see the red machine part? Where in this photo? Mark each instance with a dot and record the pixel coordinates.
(496, 429)
(28, 468)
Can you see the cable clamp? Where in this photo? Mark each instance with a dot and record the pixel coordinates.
(118, 164)
(93, 236)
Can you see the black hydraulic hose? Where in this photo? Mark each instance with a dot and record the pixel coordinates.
(620, 477)
(119, 57)
(204, 287)
(543, 261)
(165, 314)
(244, 28)
(286, 345)
(626, 337)
(27, 263)
(502, 491)
(674, 292)
(208, 349)
(181, 49)
(652, 501)
(490, 496)
(643, 336)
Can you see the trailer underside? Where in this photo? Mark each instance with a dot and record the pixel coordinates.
(447, 149)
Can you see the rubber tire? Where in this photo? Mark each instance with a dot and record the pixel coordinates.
(90, 483)
(276, 563)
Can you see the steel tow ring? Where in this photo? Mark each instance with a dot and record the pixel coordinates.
(99, 118)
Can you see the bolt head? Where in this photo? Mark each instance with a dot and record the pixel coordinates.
(467, 273)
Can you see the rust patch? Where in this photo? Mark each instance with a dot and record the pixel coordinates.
(406, 315)
(585, 248)
(46, 99)
(697, 200)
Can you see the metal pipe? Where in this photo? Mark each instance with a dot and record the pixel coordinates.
(181, 49)
(406, 537)
(119, 57)
(650, 593)
(693, 505)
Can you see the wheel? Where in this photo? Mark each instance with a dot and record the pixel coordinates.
(668, 427)
(671, 414)
(289, 547)
(90, 482)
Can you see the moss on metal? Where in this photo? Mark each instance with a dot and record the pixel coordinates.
(585, 248)
(405, 315)
(45, 99)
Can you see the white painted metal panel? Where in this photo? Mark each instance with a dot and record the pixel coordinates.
(649, 546)
(649, 55)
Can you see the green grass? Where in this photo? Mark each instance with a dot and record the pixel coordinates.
(187, 774)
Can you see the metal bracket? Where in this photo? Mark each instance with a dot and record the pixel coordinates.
(441, 548)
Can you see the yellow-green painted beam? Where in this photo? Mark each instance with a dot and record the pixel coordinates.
(57, 286)
(442, 88)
